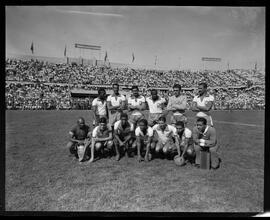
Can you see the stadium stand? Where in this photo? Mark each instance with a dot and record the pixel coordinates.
(35, 84)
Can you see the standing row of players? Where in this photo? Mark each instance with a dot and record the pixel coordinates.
(134, 133)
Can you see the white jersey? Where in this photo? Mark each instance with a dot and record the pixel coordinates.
(116, 100)
(136, 102)
(101, 106)
(165, 135)
(204, 101)
(155, 107)
(149, 132)
(118, 125)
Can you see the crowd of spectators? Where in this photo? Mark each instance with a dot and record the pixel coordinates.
(35, 84)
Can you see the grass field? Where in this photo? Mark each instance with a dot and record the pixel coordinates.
(40, 175)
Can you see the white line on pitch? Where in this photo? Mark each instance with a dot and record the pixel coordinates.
(237, 123)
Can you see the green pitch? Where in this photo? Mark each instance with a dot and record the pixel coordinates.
(40, 176)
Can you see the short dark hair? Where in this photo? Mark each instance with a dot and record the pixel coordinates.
(203, 84)
(180, 123)
(162, 118)
(203, 120)
(101, 90)
(177, 86)
(123, 115)
(144, 121)
(153, 90)
(103, 120)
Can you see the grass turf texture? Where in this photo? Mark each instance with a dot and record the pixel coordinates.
(40, 176)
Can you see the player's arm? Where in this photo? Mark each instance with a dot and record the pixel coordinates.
(182, 106)
(195, 137)
(149, 140)
(177, 143)
(207, 106)
(213, 139)
(146, 105)
(194, 107)
(105, 139)
(123, 104)
(73, 139)
(118, 138)
(110, 107)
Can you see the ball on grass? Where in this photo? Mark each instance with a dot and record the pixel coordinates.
(179, 161)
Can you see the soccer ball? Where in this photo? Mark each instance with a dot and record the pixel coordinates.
(179, 161)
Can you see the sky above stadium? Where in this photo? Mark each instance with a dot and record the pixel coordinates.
(172, 37)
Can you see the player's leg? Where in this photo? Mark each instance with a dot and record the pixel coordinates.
(197, 149)
(116, 146)
(158, 147)
(72, 146)
(139, 143)
(215, 158)
(168, 147)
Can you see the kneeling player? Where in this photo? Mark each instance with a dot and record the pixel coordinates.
(123, 135)
(144, 135)
(184, 142)
(101, 138)
(204, 138)
(164, 136)
(79, 137)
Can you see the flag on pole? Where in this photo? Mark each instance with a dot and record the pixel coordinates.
(32, 48)
(133, 57)
(105, 58)
(65, 51)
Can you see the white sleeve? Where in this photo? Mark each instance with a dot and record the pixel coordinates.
(94, 103)
(154, 127)
(94, 134)
(109, 98)
(143, 99)
(123, 98)
(150, 132)
(116, 124)
(137, 131)
(131, 126)
(211, 98)
(174, 131)
(195, 99)
(129, 101)
(188, 133)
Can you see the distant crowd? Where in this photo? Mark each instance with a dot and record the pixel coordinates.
(36, 84)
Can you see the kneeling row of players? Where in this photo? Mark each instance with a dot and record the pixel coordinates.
(161, 140)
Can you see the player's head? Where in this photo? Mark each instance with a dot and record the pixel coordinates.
(124, 118)
(201, 124)
(162, 121)
(81, 122)
(101, 93)
(202, 87)
(102, 123)
(143, 124)
(115, 88)
(180, 126)
(135, 90)
(176, 89)
(154, 94)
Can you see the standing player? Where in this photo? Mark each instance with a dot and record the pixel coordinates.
(101, 138)
(204, 136)
(136, 104)
(202, 103)
(177, 105)
(79, 136)
(184, 141)
(123, 135)
(144, 137)
(116, 104)
(164, 135)
(155, 104)
(99, 105)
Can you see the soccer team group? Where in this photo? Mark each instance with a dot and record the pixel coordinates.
(120, 127)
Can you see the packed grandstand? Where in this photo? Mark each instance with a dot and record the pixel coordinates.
(35, 84)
